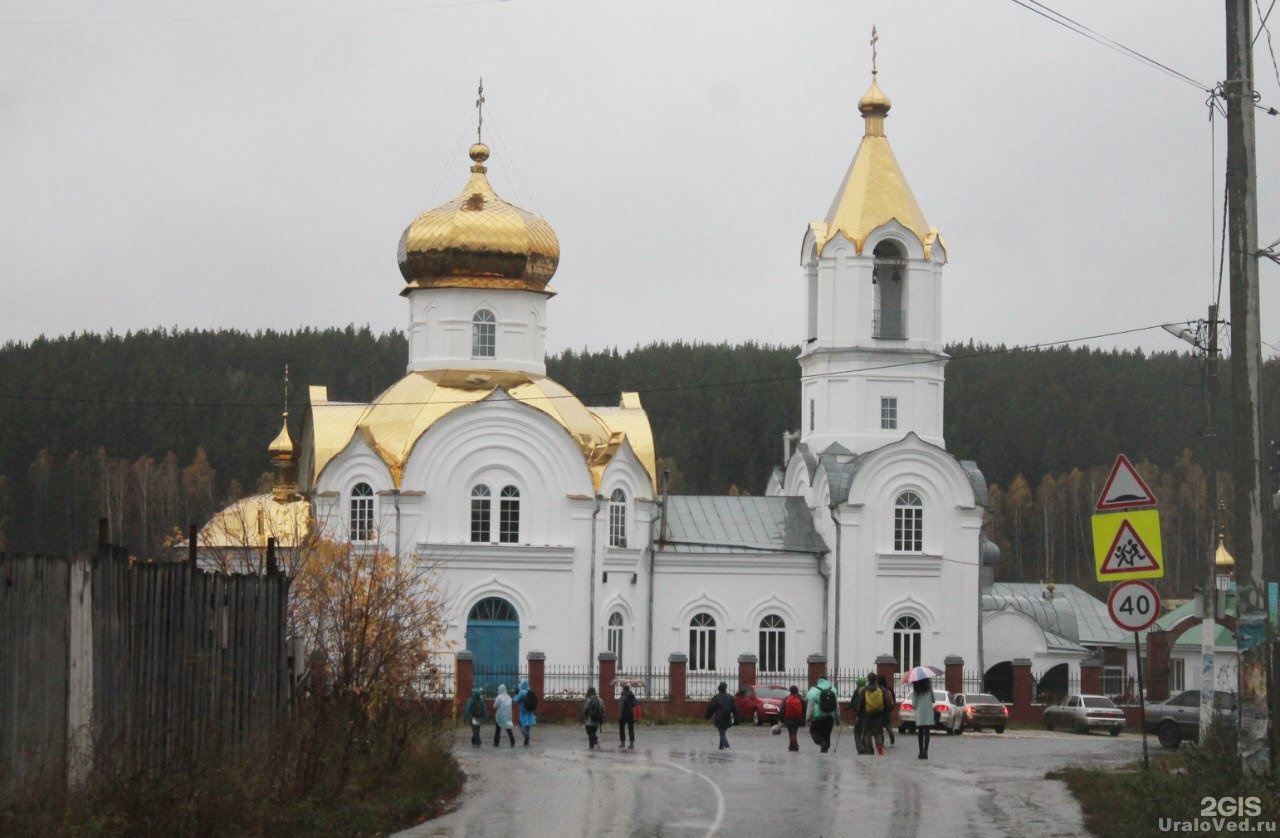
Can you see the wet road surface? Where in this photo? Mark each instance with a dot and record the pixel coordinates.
(676, 783)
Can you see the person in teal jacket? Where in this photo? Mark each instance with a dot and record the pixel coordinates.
(822, 721)
(922, 697)
(527, 717)
(475, 713)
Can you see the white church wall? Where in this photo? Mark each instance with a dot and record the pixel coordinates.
(440, 329)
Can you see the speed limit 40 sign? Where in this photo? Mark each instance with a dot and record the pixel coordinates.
(1134, 605)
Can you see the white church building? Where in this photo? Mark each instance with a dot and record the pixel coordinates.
(547, 520)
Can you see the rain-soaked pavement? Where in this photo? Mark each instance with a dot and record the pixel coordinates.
(676, 783)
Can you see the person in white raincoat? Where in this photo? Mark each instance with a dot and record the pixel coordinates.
(502, 717)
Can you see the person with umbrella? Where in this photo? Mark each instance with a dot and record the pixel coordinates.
(922, 694)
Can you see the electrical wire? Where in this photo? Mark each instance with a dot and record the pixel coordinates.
(1262, 27)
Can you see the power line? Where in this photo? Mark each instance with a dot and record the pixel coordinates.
(607, 394)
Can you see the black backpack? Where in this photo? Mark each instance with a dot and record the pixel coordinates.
(827, 701)
(530, 700)
(595, 710)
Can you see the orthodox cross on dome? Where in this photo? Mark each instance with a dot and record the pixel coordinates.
(286, 391)
(874, 38)
(480, 109)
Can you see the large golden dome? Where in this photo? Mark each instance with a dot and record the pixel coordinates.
(478, 240)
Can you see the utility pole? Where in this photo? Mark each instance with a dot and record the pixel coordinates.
(1246, 366)
(1209, 601)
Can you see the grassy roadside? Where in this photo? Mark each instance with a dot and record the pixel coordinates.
(1131, 803)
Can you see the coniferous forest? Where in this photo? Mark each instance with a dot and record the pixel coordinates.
(157, 429)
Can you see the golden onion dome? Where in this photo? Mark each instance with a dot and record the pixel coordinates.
(282, 447)
(874, 102)
(1223, 562)
(478, 240)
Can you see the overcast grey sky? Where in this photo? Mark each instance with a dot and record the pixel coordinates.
(252, 164)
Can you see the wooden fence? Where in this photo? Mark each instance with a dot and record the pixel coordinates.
(160, 665)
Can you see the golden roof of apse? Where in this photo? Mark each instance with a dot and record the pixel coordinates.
(397, 419)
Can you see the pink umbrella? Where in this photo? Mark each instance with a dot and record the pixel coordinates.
(920, 673)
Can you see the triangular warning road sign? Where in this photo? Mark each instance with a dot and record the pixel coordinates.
(1124, 489)
(1128, 554)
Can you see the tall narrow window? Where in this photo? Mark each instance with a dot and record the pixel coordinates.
(906, 643)
(773, 644)
(618, 519)
(702, 642)
(908, 523)
(509, 516)
(887, 278)
(480, 514)
(614, 638)
(361, 519)
(484, 334)
(813, 412)
(888, 413)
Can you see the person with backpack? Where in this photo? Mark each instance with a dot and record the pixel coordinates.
(527, 700)
(793, 716)
(858, 743)
(502, 716)
(593, 717)
(627, 706)
(872, 711)
(824, 709)
(475, 713)
(720, 709)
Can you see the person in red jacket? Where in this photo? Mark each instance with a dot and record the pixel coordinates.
(793, 716)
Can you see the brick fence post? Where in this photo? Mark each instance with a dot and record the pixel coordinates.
(887, 669)
(1091, 675)
(955, 673)
(817, 668)
(463, 680)
(746, 670)
(608, 672)
(538, 673)
(1022, 688)
(679, 664)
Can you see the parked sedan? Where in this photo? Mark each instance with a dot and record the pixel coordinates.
(1084, 714)
(942, 709)
(759, 702)
(976, 711)
(1178, 716)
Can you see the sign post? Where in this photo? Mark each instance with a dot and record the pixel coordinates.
(1134, 606)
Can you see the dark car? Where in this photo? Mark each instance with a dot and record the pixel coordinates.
(1178, 717)
(759, 702)
(974, 711)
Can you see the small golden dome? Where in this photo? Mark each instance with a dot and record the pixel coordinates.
(283, 447)
(478, 240)
(1223, 562)
(874, 102)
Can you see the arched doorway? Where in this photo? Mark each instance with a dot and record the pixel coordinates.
(998, 681)
(493, 638)
(1052, 685)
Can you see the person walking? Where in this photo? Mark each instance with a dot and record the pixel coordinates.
(823, 710)
(627, 717)
(793, 716)
(872, 710)
(527, 701)
(922, 693)
(502, 716)
(475, 713)
(859, 743)
(592, 717)
(720, 709)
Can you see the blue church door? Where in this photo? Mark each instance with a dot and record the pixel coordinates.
(493, 637)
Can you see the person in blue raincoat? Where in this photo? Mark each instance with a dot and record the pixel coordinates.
(527, 717)
(475, 713)
(502, 716)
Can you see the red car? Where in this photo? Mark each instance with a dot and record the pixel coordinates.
(759, 702)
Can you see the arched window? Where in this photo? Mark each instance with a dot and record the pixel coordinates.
(493, 609)
(888, 276)
(908, 523)
(614, 639)
(509, 516)
(484, 334)
(361, 519)
(618, 519)
(480, 514)
(906, 643)
(773, 644)
(702, 642)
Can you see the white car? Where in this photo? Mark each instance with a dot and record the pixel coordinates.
(943, 706)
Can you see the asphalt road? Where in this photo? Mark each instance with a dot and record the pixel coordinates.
(677, 783)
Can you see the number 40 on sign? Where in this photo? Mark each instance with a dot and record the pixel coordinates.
(1134, 605)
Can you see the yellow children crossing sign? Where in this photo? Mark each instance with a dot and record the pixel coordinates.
(1126, 545)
